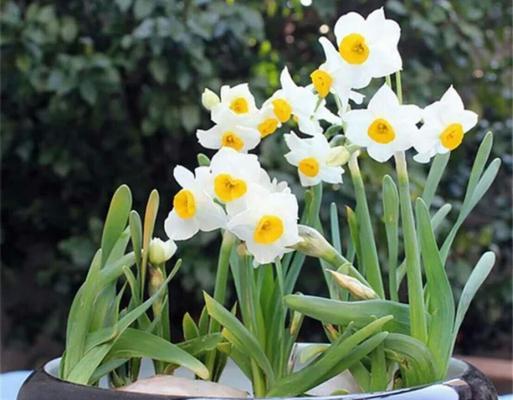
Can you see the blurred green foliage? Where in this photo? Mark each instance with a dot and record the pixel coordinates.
(99, 93)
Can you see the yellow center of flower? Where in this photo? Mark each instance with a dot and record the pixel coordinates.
(452, 136)
(381, 131)
(268, 126)
(231, 139)
(228, 188)
(309, 166)
(239, 105)
(353, 48)
(282, 110)
(268, 230)
(184, 204)
(322, 82)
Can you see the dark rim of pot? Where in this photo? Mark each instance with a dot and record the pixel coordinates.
(472, 384)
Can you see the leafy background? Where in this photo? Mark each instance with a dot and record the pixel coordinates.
(99, 93)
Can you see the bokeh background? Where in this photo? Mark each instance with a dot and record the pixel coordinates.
(98, 93)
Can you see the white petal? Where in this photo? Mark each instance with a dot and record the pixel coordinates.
(452, 100)
(332, 174)
(468, 119)
(210, 139)
(210, 216)
(180, 229)
(183, 176)
(349, 23)
(384, 99)
(380, 153)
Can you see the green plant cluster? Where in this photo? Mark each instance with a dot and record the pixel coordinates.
(98, 93)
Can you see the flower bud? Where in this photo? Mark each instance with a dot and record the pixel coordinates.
(354, 286)
(209, 99)
(313, 244)
(161, 251)
(338, 156)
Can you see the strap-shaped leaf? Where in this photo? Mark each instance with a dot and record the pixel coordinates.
(435, 174)
(134, 343)
(326, 365)
(239, 335)
(116, 220)
(391, 219)
(477, 277)
(438, 288)
(343, 312)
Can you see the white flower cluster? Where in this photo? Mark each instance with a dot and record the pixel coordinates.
(235, 193)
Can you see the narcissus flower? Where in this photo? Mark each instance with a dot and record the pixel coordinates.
(268, 225)
(445, 123)
(332, 77)
(234, 176)
(193, 208)
(300, 103)
(161, 251)
(385, 127)
(367, 48)
(237, 101)
(312, 158)
(229, 132)
(267, 122)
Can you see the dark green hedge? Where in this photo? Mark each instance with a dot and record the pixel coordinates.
(98, 93)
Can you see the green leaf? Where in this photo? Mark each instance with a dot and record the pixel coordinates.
(150, 216)
(79, 317)
(477, 277)
(201, 344)
(88, 91)
(189, 327)
(116, 220)
(134, 220)
(391, 218)
(343, 312)
(238, 334)
(435, 174)
(329, 364)
(438, 289)
(369, 259)
(135, 343)
(84, 369)
(414, 358)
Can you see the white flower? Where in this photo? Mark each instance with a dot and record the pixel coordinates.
(161, 251)
(367, 48)
(234, 175)
(332, 77)
(193, 208)
(209, 99)
(311, 156)
(266, 121)
(229, 132)
(268, 225)
(445, 123)
(237, 101)
(301, 103)
(385, 127)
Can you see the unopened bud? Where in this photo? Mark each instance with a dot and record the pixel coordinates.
(338, 156)
(313, 244)
(296, 322)
(354, 286)
(209, 99)
(161, 251)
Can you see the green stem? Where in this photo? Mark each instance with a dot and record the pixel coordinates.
(259, 386)
(370, 257)
(223, 267)
(411, 248)
(399, 86)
